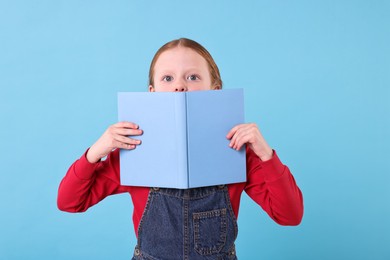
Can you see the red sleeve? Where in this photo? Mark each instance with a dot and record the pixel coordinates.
(85, 183)
(271, 185)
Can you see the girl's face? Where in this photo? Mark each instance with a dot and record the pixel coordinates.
(181, 69)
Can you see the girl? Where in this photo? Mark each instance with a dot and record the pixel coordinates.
(195, 223)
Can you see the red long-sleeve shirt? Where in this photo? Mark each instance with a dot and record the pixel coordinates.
(270, 184)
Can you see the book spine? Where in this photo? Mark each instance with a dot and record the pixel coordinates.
(181, 133)
(187, 142)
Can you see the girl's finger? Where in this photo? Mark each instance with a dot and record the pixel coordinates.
(127, 132)
(126, 124)
(230, 134)
(241, 137)
(239, 131)
(233, 131)
(241, 141)
(126, 146)
(127, 140)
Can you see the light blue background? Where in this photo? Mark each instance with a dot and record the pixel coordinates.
(316, 76)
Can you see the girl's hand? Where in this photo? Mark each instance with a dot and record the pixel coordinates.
(249, 134)
(116, 136)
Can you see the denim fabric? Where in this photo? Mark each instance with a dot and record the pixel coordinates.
(187, 224)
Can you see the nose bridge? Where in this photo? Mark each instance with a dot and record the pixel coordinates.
(181, 85)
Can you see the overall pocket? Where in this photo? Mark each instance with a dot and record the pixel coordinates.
(210, 231)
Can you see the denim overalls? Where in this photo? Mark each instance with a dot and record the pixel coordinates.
(187, 224)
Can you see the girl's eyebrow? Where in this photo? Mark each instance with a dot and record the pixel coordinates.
(163, 72)
(194, 69)
(172, 72)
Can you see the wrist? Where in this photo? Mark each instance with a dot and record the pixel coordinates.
(91, 156)
(265, 155)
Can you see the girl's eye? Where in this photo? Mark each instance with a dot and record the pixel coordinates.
(168, 78)
(192, 77)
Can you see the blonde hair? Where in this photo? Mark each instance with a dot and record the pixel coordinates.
(216, 80)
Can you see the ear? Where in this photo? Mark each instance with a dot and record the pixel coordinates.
(151, 89)
(216, 87)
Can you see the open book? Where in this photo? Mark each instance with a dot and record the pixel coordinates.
(184, 141)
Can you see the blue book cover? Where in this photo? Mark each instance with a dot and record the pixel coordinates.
(184, 141)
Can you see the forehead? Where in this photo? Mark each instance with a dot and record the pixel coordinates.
(180, 57)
